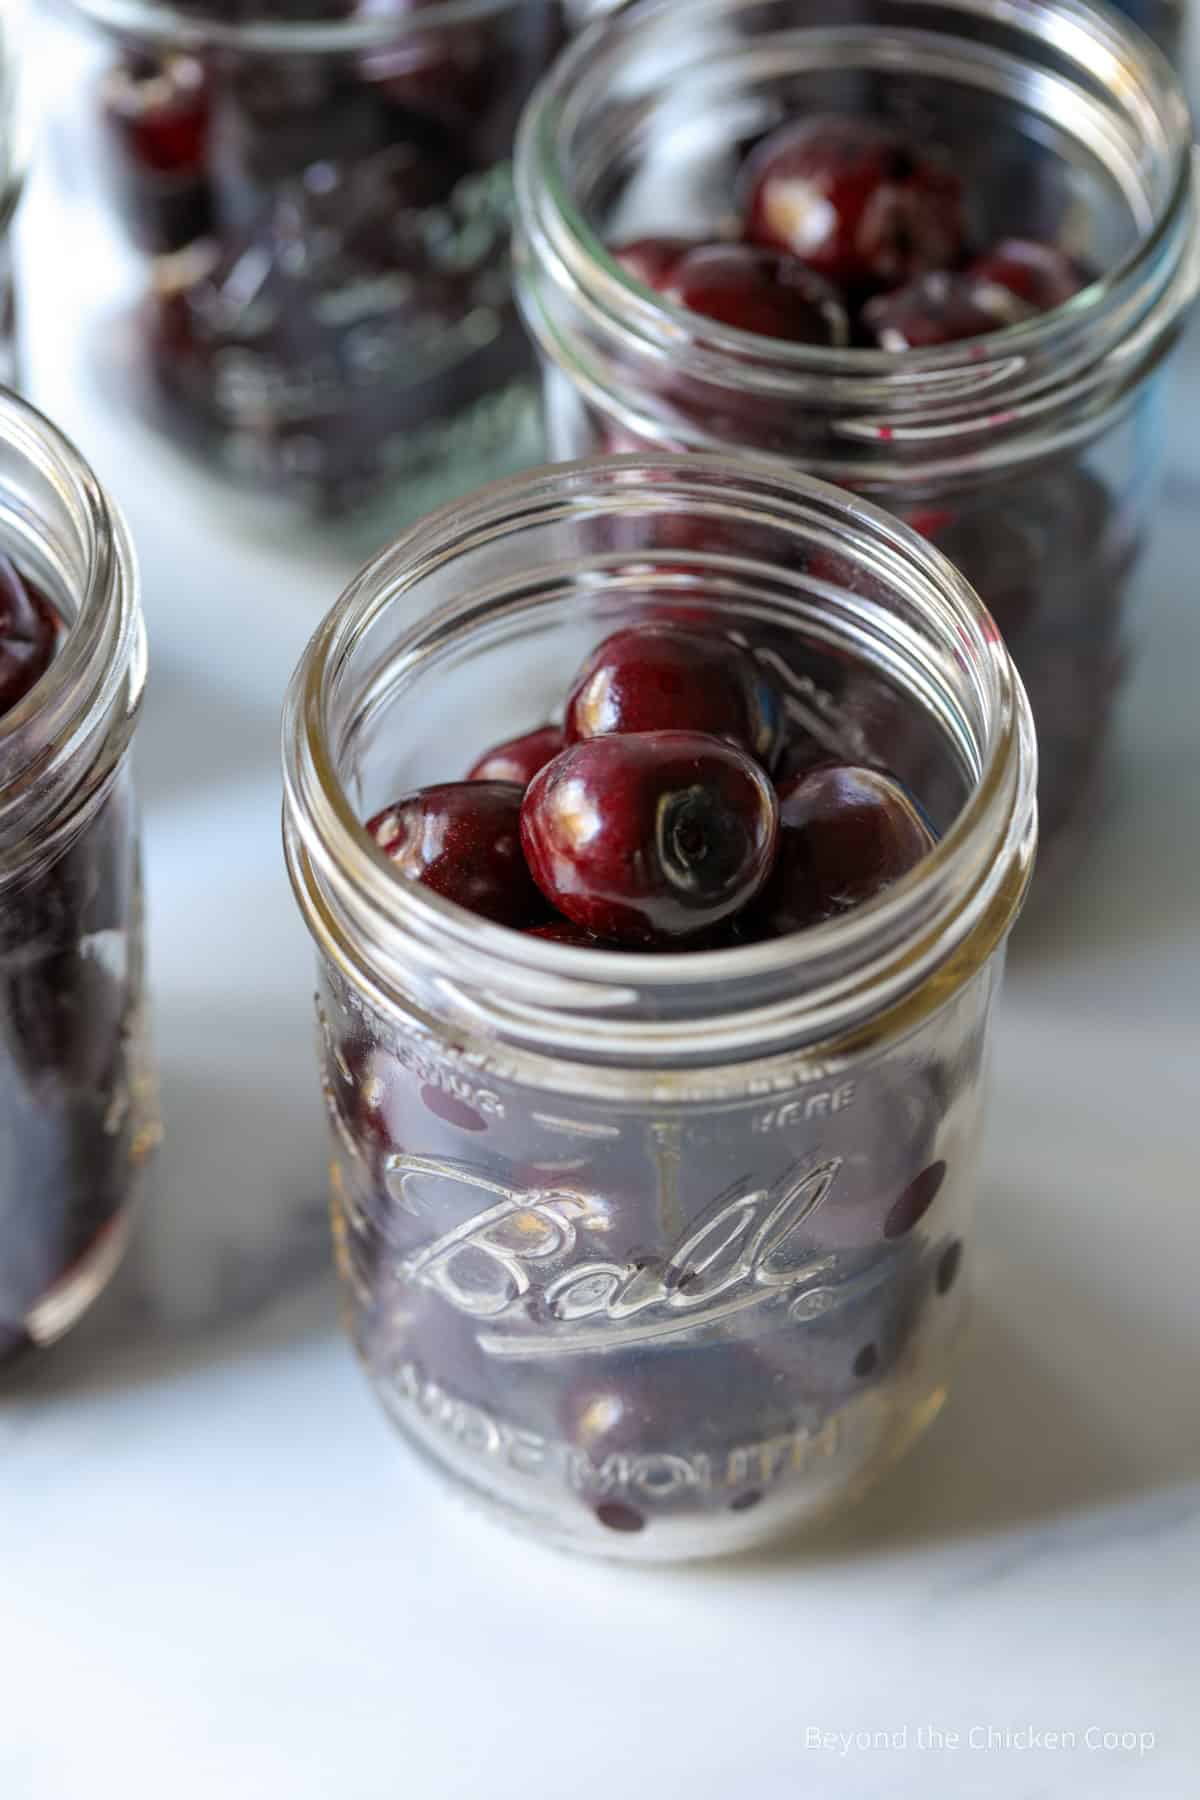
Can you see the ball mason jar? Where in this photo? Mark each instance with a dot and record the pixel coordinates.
(310, 204)
(77, 1111)
(657, 1255)
(1027, 456)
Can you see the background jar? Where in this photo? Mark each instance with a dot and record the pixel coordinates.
(308, 212)
(658, 1255)
(1028, 456)
(11, 171)
(76, 1103)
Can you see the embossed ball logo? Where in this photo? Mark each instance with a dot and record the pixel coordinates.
(518, 1265)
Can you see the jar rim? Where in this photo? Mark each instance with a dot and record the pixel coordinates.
(911, 400)
(190, 28)
(82, 709)
(388, 934)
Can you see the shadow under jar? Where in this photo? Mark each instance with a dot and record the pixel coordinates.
(1026, 454)
(318, 196)
(658, 1254)
(77, 1114)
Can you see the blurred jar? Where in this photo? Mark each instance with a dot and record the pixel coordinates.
(1027, 455)
(11, 171)
(318, 196)
(659, 1255)
(77, 1113)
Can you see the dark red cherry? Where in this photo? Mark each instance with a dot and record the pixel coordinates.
(763, 291)
(652, 260)
(462, 840)
(941, 309)
(912, 1205)
(1041, 275)
(29, 629)
(652, 838)
(667, 678)
(845, 834)
(854, 200)
(159, 111)
(157, 116)
(519, 758)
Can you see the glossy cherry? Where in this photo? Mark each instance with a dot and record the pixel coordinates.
(159, 110)
(941, 309)
(519, 759)
(1040, 274)
(845, 834)
(664, 677)
(652, 838)
(855, 200)
(759, 290)
(461, 839)
(29, 629)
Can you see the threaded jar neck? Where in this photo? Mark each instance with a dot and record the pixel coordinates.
(636, 94)
(497, 589)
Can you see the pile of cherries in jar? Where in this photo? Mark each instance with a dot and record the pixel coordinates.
(329, 232)
(63, 1148)
(851, 235)
(677, 807)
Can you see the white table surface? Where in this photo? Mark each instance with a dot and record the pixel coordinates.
(222, 1578)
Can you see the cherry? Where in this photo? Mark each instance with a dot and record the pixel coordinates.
(854, 200)
(1041, 275)
(652, 260)
(29, 629)
(664, 677)
(915, 1201)
(462, 840)
(762, 291)
(157, 116)
(941, 309)
(845, 834)
(650, 838)
(159, 112)
(519, 759)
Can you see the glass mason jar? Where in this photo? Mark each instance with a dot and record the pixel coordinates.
(1027, 456)
(312, 199)
(77, 1114)
(11, 171)
(657, 1254)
